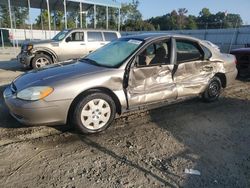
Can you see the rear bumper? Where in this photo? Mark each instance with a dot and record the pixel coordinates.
(38, 112)
(231, 76)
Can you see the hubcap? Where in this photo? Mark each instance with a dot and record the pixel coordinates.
(214, 89)
(95, 114)
(40, 62)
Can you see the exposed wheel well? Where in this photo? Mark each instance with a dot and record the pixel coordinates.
(93, 90)
(53, 58)
(222, 78)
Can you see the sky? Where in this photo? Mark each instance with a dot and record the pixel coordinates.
(153, 8)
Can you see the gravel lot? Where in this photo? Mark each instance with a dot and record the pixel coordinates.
(145, 149)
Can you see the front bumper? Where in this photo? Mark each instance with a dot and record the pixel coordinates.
(39, 112)
(25, 59)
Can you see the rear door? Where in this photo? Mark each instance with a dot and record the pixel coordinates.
(109, 36)
(150, 77)
(193, 72)
(73, 46)
(95, 40)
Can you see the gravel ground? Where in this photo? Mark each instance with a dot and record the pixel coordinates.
(146, 149)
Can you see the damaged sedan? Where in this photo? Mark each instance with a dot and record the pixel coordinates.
(135, 72)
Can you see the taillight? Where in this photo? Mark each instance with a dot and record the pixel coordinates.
(235, 61)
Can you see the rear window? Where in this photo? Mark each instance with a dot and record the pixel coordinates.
(109, 36)
(94, 36)
(187, 51)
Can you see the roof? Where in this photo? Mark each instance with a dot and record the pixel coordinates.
(149, 36)
(58, 4)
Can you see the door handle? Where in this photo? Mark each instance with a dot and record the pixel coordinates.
(102, 43)
(82, 44)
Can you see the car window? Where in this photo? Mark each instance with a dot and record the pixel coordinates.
(109, 36)
(61, 35)
(156, 53)
(122, 49)
(94, 36)
(187, 51)
(207, 53)
(76, 36)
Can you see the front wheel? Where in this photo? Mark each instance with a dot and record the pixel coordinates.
(94, 113)
(213, 90)
(40, 60)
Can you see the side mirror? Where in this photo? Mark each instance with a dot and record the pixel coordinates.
(68, 39)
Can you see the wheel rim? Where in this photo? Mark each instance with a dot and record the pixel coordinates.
(95, 114)
(214, 89)
(42, 61)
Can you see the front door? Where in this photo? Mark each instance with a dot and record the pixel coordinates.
(150, 78)
(192, 72)
(74, 46)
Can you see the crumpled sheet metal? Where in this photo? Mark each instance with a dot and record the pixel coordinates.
(155, 83)
(151, 84)
(193, 78)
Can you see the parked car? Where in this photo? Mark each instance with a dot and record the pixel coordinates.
(130, 73)
(243, 61)
(67, 44)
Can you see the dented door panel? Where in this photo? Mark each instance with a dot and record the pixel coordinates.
(150, 84)
(191, 78)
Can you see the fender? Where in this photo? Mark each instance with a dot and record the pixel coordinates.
(47, 50)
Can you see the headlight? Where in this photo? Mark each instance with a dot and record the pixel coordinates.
(35, 93)
(29, 47)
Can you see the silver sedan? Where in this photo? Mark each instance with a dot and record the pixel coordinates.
(134, 72)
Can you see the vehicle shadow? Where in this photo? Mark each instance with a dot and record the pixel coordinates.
(217, 134)
(11, 65)
(214, 137)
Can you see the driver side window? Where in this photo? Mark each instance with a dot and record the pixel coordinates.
(76, 36)
(155, 54)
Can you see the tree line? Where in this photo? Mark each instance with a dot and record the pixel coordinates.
(131, 19)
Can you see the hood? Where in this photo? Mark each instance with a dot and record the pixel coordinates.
(56, 72)
(38, 42)
(41, 43)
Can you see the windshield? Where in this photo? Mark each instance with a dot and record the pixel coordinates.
(61, 35)
(114, 53)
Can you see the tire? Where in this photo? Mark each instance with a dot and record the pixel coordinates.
(40, 60)
(94, 113)
(213, 90)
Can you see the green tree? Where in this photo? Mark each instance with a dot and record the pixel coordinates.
(19, 16)
(182, 18)
(191, 22)
(131, 18)
(41, 22)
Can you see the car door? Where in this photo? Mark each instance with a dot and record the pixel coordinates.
(95, 40)
(150, 77)
(73, 46)
(192, 71)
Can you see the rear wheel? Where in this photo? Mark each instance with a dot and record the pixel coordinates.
(41, 60)
(94, 113)
(213, 90)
